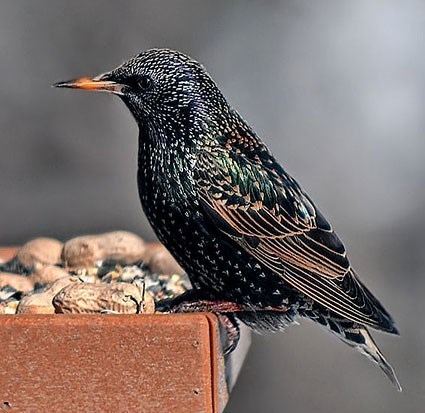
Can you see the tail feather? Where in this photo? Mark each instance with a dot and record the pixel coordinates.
(349, 332)
(367, 346)
(358, 337)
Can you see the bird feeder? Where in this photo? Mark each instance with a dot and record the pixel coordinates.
(115, 362)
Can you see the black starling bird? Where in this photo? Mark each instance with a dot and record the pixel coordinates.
(253, 243)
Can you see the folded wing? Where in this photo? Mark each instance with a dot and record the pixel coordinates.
(252, 199)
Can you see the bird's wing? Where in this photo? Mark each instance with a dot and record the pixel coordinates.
(253, 200)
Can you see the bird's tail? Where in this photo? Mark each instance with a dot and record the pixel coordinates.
(359, 337)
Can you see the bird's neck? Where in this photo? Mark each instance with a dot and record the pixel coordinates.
(167, 155)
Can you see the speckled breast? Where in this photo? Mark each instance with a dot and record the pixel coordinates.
(212, 260)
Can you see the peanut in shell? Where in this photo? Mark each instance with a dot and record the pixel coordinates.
(86, 251)
(39, 252)
(97, 298)
(42, 303)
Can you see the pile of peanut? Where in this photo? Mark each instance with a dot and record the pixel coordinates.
(115, 272)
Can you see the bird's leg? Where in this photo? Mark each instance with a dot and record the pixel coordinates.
(197, 301)
(208, 306)
(225, 312)
(193, 301)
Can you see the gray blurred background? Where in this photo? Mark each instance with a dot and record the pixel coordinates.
(336, 88)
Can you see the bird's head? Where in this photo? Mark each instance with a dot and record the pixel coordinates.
(161, 87)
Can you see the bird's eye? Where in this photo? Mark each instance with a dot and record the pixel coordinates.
(142, 82)
(145, 82)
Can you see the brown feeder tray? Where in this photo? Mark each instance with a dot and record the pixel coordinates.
(115, 363)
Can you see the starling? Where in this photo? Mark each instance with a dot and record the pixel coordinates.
(254, 245)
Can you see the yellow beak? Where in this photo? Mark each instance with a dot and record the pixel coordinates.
(93, 84)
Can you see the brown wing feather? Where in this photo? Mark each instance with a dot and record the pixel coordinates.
(251, 196)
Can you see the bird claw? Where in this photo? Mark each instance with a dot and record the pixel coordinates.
(229, 332)
(224, 310)
(193, 302)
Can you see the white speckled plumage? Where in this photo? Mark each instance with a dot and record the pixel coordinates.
(241, 227)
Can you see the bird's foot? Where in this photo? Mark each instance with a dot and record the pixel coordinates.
(194, 301)
(224, 310)
(208, 306)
